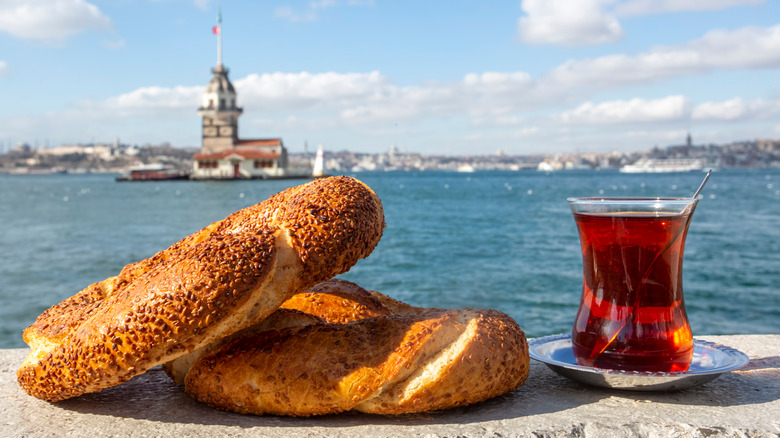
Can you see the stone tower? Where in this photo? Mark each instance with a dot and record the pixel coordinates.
(219, 112)
(219, 108)
(223, 155)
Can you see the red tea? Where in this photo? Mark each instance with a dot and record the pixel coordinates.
(632, 316)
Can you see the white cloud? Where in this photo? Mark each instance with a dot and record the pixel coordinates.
(50, 21)
(155, 97)
(620, 70)
(749, 47)
(587, 22)
(568, 22)
(4, 71)
(672, 108)
(669, 109)
(157, 102)
(275, 91)
(736, 109)
(498, 82)
(403, 103)
(271, 93)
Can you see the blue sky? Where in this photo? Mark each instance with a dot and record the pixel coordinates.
(458, 77)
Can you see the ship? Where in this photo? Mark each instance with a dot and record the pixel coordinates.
(153, 172)
(650, 165)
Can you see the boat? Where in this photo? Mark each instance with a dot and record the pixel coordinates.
(153, 172)
(650, 165)
(550, 164)
(545, 166)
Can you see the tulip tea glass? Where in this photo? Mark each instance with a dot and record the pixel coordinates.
(631, 315)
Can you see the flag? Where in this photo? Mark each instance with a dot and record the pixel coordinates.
(216, 30)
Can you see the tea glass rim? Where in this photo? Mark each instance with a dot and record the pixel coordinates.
(635, 205)
(630, 200)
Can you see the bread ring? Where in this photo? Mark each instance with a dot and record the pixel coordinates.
(340, 301)
(205, 287)
(416, 360)
(334, 301)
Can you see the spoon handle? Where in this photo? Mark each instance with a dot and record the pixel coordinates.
(706, 177)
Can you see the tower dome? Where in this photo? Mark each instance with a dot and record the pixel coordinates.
(220, 82)
(219, 93)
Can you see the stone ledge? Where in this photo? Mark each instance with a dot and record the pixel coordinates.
(741, 403)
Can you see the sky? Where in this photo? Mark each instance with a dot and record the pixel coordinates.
(458, 77)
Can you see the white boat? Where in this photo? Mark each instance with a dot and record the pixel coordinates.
(550, 164)
(544, 166)
(649, 165)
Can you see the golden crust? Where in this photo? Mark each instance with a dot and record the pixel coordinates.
(205, 287)
(382, 362)
(333, 301)
(338, 301)
(487, 357)
(178, 368)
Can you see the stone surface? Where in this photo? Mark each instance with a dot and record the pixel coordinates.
(743, 403)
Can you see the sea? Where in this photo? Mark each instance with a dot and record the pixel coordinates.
(489, 239)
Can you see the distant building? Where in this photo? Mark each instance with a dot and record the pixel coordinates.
(223, 155)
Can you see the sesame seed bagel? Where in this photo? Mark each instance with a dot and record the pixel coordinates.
(377, 355)
(209, 285)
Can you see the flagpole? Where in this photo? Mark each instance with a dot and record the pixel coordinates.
(219, 38)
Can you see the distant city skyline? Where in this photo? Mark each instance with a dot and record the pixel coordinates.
(456, 78)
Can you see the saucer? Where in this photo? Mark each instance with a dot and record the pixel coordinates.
(709, 361)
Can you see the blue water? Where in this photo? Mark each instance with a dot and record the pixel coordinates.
(503, 240)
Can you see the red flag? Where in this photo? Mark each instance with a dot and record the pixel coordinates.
(215, 30)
